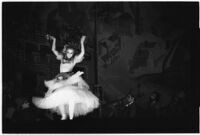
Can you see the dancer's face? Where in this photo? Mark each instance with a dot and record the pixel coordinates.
(69, 53)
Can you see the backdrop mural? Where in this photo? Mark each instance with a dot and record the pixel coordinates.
(127, 48)
(133, 39)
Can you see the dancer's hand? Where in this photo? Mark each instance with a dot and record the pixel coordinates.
(75, 76)
(48, 37)
(79, 73)
(83, 39)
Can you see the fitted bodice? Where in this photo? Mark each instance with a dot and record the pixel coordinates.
(66, 67)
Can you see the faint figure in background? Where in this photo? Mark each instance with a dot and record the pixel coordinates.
(154, 100)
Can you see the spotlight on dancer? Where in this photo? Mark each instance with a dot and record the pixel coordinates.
(68, 94)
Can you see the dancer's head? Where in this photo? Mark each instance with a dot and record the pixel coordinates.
(68, 52)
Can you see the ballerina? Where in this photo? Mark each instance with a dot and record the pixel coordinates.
(67, 58)
(68, 93)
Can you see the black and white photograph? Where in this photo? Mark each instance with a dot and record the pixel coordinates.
(100, 67)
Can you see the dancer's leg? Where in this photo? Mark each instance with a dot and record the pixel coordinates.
(71, 110)
(62, 111)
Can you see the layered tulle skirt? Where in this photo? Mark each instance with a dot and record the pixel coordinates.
(70, 97)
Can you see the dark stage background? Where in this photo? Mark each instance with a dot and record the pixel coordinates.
(134, 50)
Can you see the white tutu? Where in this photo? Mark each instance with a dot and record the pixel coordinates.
(68, 97)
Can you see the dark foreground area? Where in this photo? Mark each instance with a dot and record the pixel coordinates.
(84, 125)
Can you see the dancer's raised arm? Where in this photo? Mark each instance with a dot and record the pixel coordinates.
(58, 55)
(80, 57)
